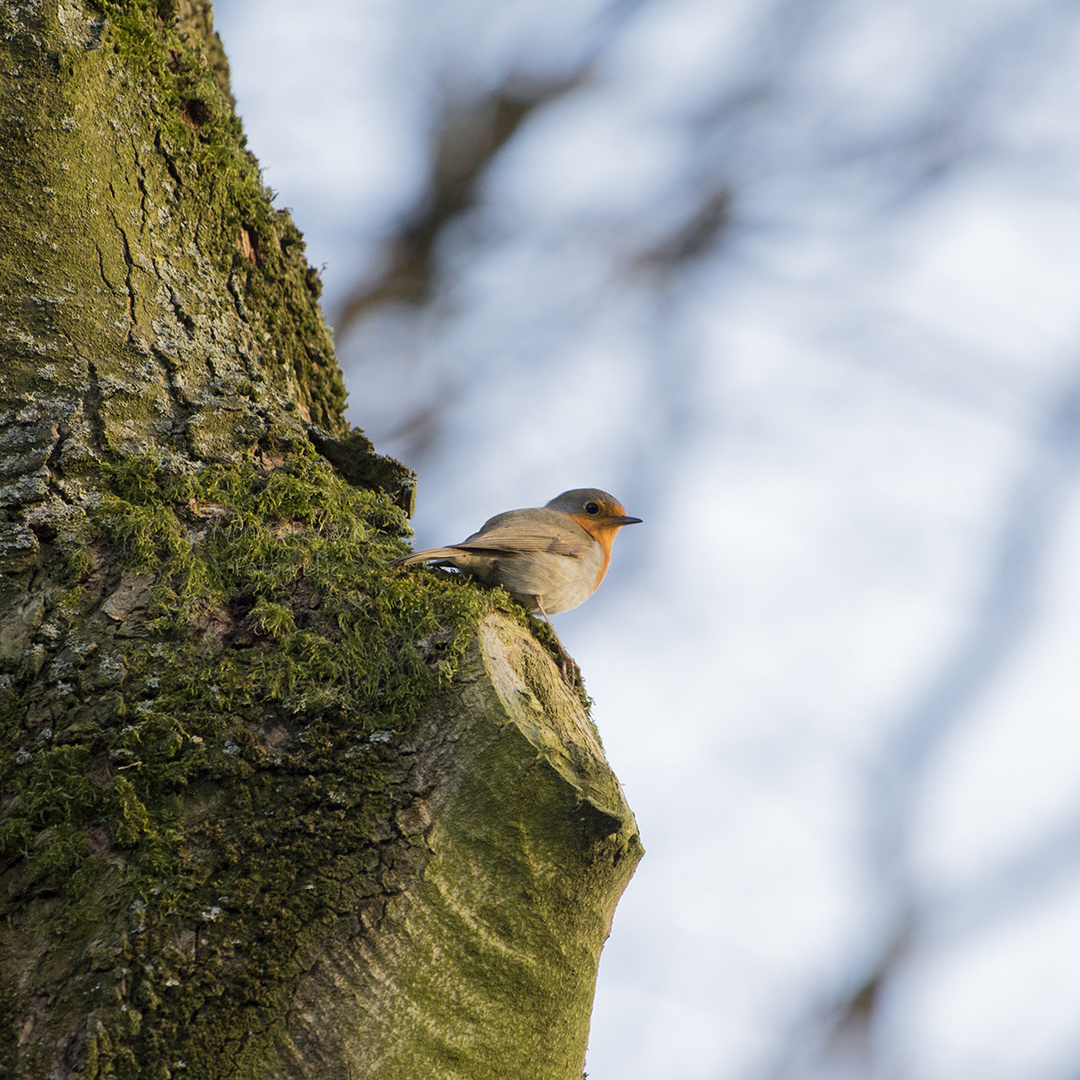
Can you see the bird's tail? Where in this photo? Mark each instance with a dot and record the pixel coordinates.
(425, 556)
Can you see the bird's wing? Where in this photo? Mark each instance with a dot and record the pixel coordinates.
(520, 531)
(513, 534)
(515, 541)
(494, 543)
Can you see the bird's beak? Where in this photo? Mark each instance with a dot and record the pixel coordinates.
(622, 519)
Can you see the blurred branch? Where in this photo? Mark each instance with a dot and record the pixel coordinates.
(1003, 611)
(1028, 878)
(692, 239)
(468, 138)
(836, 1038)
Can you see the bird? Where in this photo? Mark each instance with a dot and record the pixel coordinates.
(549, 558)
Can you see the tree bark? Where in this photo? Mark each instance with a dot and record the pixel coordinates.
(267, 809)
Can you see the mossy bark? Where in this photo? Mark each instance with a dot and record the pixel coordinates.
(267, 809)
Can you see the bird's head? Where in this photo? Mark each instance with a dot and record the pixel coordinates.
(601, 515)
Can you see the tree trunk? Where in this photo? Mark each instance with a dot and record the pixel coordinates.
(267, 809)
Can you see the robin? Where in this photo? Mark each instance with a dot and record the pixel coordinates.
(549, 558)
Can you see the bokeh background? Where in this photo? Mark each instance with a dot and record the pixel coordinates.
(798, 281)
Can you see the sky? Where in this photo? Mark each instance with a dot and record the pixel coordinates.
(836, 668)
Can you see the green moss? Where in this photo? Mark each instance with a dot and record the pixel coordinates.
(232, 757)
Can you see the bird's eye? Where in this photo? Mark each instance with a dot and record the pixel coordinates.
(592, 508)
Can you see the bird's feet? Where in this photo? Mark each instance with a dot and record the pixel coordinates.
(571, 673)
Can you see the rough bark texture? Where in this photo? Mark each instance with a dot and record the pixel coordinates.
(266, 808)
(485, 963)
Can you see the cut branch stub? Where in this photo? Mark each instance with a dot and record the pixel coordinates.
(485, 964)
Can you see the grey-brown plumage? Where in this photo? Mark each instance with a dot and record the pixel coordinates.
(549, 558)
